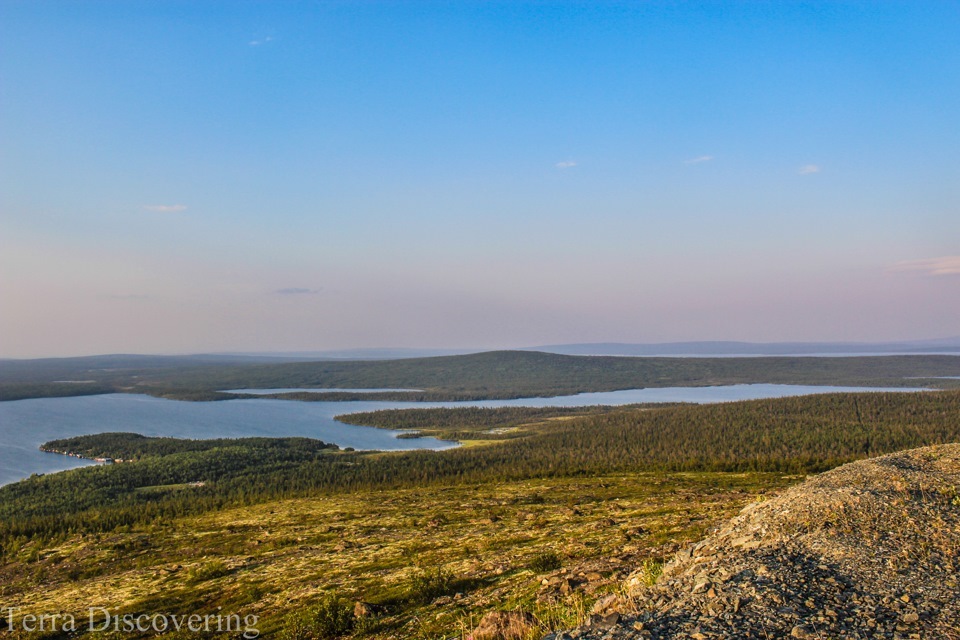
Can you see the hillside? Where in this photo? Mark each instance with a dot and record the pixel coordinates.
(495, 374)
(786, 435)
(870, 549)
(548, 514)
(426, 563)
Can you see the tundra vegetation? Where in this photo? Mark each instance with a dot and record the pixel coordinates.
(543, 510)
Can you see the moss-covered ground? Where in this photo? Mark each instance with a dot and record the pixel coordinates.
(432, 560)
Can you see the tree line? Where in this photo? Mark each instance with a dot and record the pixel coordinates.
(793, 435)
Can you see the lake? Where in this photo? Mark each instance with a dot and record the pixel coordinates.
(26, 424)
(264, 392)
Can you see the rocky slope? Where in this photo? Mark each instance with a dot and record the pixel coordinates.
(868, 550)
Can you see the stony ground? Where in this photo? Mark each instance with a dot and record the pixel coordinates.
(868, 550)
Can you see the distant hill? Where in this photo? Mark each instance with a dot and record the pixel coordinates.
(731, 348)
(489, 375)
(68, 369)
(373, 353)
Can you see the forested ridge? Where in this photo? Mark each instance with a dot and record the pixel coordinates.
(495, 374)
(472, 423)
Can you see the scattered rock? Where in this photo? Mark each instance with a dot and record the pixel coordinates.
(602, 605)
(869, 549)
(367, 609)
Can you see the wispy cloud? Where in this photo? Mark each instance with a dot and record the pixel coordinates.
(698, 160)
(808, 169)
(566, 164)
(165, 208)
(257, 43)
(296, 291)
(945, 266)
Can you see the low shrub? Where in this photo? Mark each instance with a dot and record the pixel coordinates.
(427, 587)
(545, 561)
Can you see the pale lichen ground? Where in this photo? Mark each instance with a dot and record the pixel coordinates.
(274, 558)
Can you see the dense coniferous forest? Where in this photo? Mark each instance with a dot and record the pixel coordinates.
(174, 477)
(472, 423)
(133, 446)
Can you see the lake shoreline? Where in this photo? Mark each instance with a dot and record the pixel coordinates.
(30, 423)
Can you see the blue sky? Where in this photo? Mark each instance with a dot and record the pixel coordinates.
(214, 176)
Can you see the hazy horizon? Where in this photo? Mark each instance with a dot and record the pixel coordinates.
(717, 348)
(181, 177)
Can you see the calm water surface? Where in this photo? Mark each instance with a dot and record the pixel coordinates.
(26, 424)
(263, 392)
